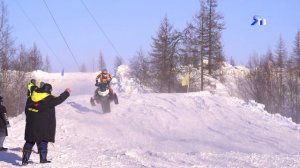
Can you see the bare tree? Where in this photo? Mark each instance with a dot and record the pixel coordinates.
(83, 68)
(101, 61)
(35, 58)
(139, 66)
(271, 82)
(20, 62)
(27, 60)
(260, 83)
(293, 81)
(232, 62)
(6, 42)
(118, 61)
(296, 52)
(203, 41)
(11, 82)
(47, 66)
(281, 59)
(203, 38)
(292, 91)
(189, 48)
(13, 67)
(212, 19)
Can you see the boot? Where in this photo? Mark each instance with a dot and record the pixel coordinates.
(3, 149)
(115, 97)
(92, 100)
(43, 156)
(26, 156)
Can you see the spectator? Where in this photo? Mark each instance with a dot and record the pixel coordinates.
(41, 121)
(3, 125)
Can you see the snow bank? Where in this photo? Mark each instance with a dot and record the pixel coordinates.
(200, 129)
(126, 83)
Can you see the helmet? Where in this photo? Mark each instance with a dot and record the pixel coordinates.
(47, 88)
(104, 70)
(42, 84)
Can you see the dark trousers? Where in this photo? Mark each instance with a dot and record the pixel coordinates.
(42, 146)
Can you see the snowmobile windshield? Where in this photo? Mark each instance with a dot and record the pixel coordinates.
(102, 87)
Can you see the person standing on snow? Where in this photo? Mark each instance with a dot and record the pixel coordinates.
(40, 121)
(3, 124)
(31, 87)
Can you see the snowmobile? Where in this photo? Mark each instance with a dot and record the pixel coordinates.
(104, 97)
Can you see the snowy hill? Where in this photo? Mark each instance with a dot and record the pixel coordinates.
(159, 130)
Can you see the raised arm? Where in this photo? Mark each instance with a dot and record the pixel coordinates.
(61, 98)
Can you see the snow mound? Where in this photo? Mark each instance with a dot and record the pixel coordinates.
(200, 129)
(126, 83)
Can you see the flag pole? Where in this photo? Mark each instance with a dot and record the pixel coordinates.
(188, 86)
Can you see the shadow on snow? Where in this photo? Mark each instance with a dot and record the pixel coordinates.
(8, 157)
(81, 108)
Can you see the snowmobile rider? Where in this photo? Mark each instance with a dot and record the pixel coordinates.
(31, 87)
(40, 121)
(104, 78)
(3, 124)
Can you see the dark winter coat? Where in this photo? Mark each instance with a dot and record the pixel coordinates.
(40, 116)
(3, 121)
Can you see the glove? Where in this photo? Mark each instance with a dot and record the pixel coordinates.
(68, 90)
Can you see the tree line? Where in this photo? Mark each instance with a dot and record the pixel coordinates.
(273, 77)
(15, 62)
(274, 80)
(198, 46)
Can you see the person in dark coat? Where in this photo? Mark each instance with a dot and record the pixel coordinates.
(3, 124)
(40, 121)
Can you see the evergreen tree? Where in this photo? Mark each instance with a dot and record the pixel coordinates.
(164, 58)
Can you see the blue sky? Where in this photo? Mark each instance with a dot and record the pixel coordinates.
(131, 24)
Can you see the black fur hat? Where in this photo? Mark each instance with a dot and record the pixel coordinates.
(33, 81)
(47, 88)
